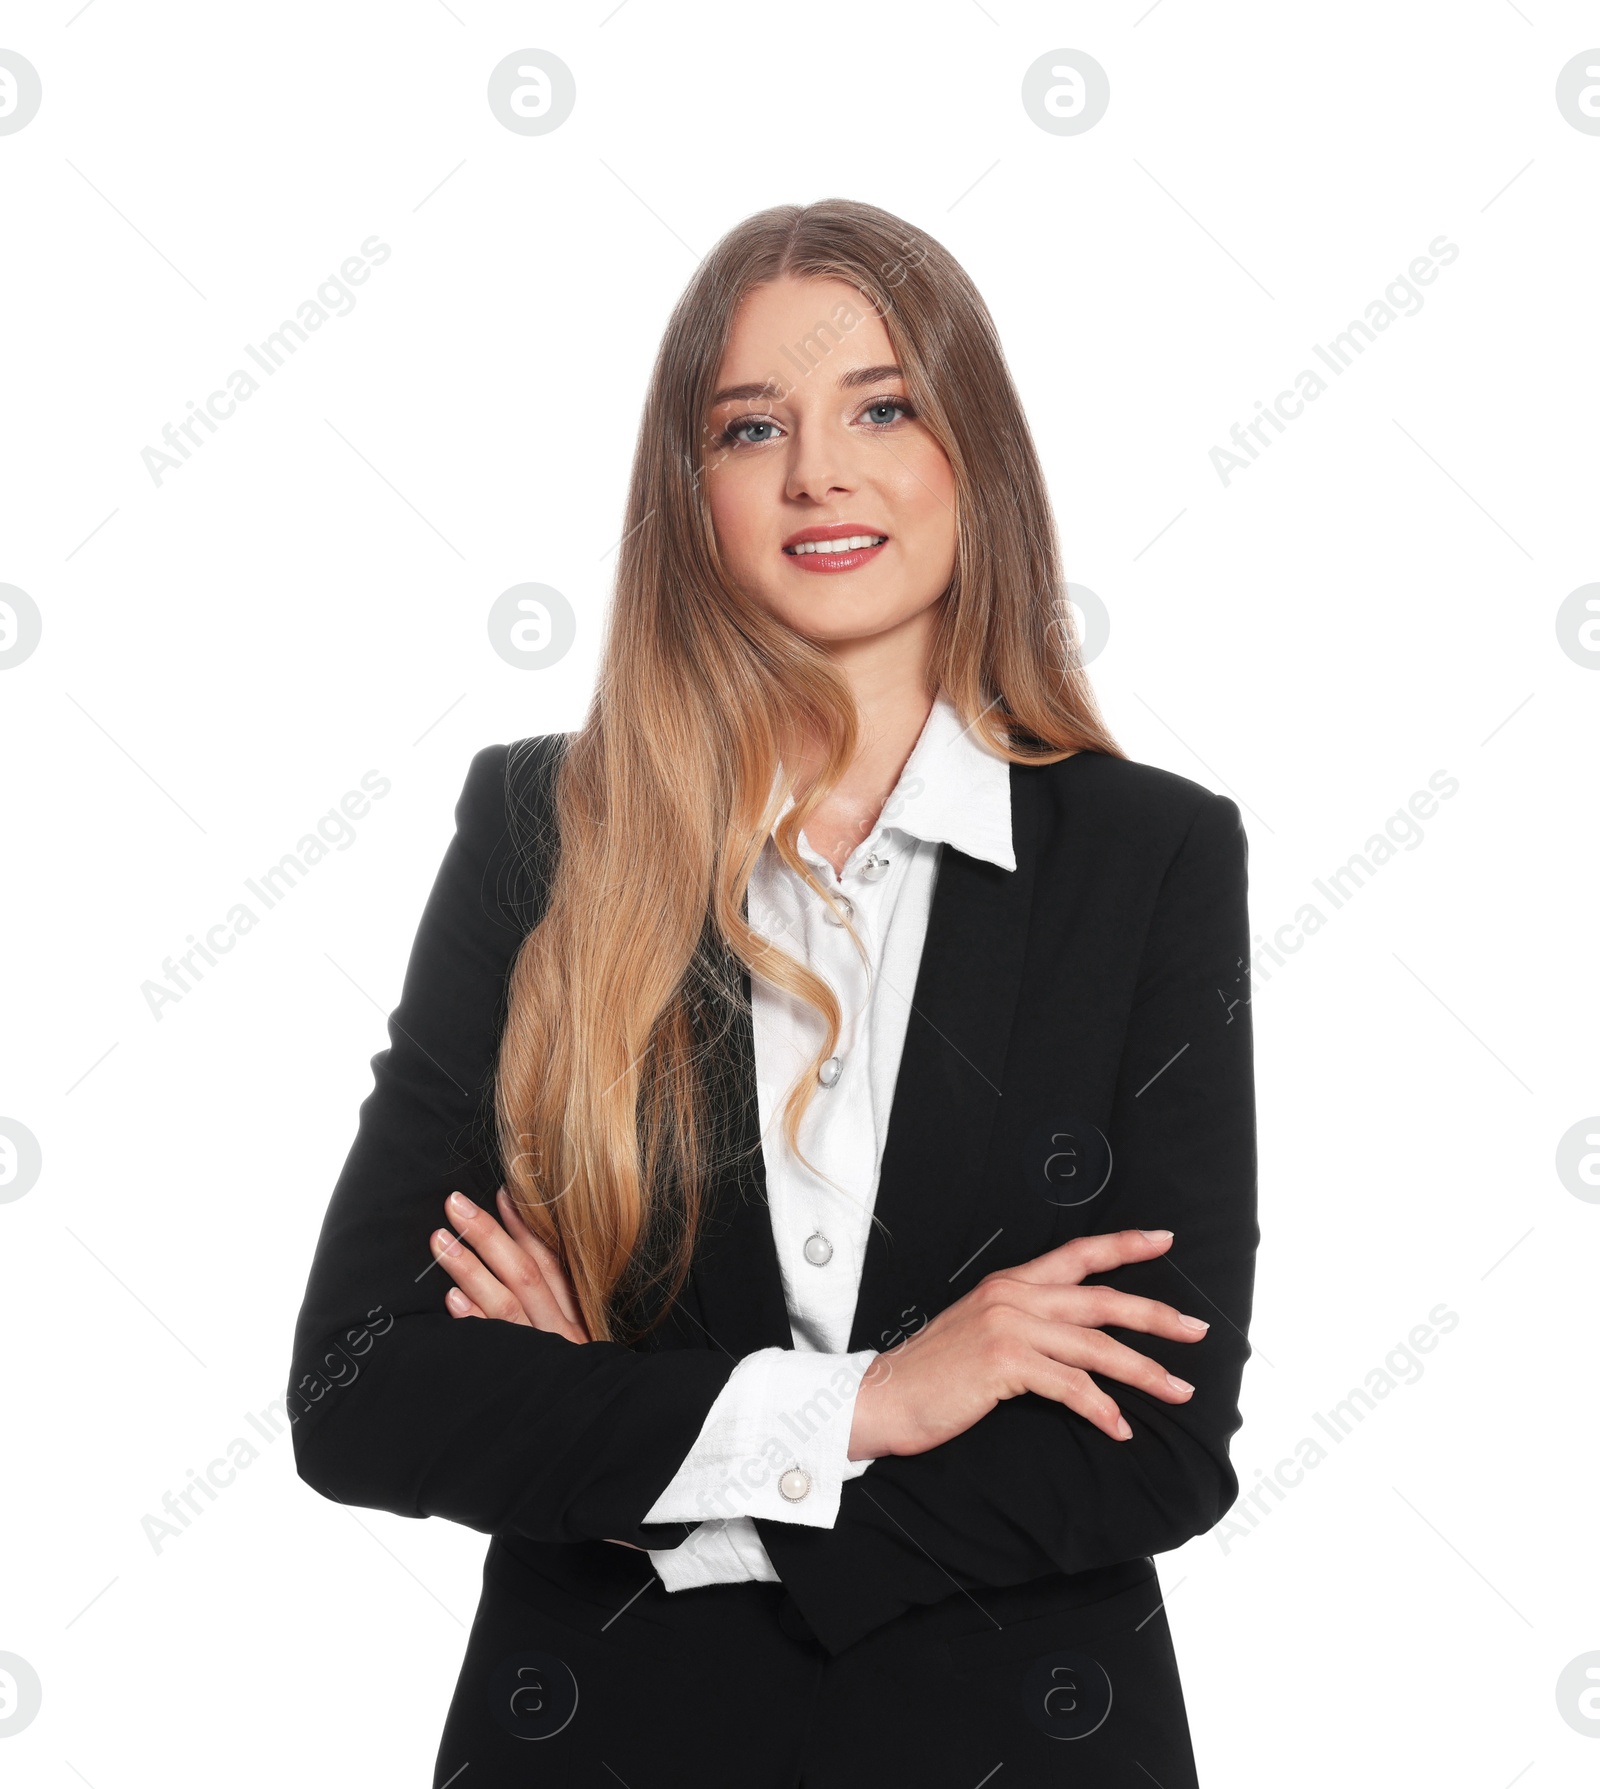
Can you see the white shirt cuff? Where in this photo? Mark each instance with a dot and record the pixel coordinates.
(716, 1553)
(774, 1444)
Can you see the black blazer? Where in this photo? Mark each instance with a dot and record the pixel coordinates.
(1086, 1012)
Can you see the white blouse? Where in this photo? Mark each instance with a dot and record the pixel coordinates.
(774, 1444)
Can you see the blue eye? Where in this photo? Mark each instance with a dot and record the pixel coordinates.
(734, 434)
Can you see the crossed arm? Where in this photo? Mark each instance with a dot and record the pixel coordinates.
(1034, 1328)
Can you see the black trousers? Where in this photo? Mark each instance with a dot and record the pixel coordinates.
(583, 1670)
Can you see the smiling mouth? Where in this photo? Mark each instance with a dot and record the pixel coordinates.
(844, 553)
(854, 543)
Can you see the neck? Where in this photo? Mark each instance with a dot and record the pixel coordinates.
(888, 677)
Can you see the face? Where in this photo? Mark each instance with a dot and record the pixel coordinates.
(833, 505)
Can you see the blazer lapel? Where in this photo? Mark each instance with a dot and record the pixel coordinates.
(947, 1094)
(735, 1278)
(947, 1098)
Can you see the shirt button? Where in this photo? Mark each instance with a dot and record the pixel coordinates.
(829, 1072)
(847, 911)
(819, 1251)
(794, 1484)
(875, 867)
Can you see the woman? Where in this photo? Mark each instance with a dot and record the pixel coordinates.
(816, 1083)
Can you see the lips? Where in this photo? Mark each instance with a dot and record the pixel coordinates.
(834, 546)
(833, 531)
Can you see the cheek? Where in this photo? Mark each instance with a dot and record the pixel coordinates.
(927, 497)
(737, 512)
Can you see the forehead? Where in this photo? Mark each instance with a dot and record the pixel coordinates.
(819, 328)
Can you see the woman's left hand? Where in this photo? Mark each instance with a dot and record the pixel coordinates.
(503, 1271)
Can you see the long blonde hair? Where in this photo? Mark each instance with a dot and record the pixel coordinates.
(608, 1123)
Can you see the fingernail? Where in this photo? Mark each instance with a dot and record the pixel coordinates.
(1157, 1235)
(463, 1206)
(445, 1243)
(456, 1299)
(1124, 1433)
(1178, 1384)
(1194, 1323)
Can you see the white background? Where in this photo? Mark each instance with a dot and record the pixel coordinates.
(225, 654)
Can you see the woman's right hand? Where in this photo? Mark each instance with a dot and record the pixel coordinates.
(1029, 1328)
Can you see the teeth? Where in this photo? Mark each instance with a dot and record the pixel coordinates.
(851, 544)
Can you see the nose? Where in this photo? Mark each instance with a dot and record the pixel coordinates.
(820, 464)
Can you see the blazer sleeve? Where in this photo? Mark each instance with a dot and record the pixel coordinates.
(397, 1405)
(1033, 1488)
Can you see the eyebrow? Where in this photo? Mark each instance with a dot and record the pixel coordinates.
(865, 375)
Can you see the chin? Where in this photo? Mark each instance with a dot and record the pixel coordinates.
(838, 620)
